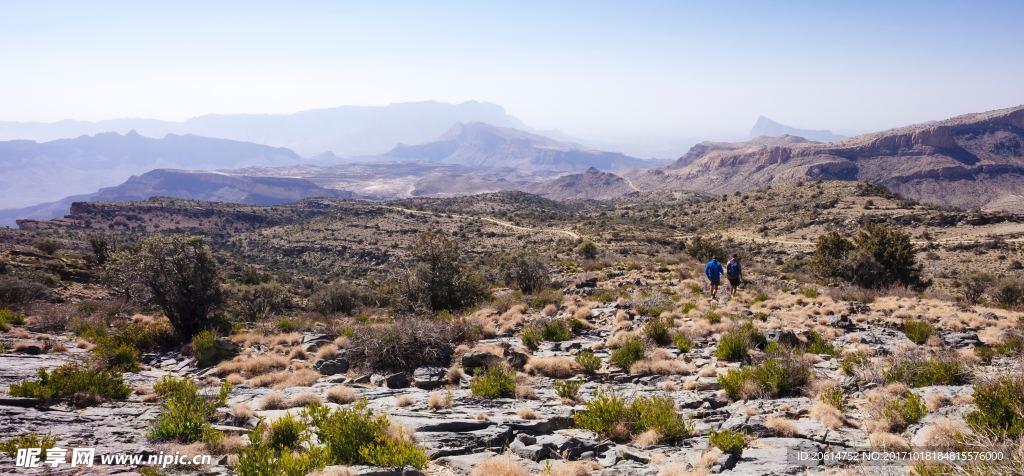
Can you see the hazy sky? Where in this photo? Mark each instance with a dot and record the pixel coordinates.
(588, 68)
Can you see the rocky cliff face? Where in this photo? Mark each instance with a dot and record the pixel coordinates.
(971, 161)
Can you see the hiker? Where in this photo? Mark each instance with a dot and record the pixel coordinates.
(733, 271)
(713, 270)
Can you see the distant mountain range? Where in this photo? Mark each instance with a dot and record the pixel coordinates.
(770, 128)
(969, 161)
(195, 185)
(344, 131)
(41, 172)
(484, 145)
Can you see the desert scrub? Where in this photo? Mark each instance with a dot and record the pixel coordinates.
(852, 361)
(1000, 402)
(809, 293)
(657, 330)
(82, 384)
(730, 442)
(588, 361)
(904, 410)
(10, 318)
(687, 307)
(568, 389)
(355, 435)
(735, 343)
(286, 433)
(556, 330)
(816, 344)
(186, 412)
(10, 446)
(494, 382)
(922, 370)
(545, 298)
(209, 350)
(261, 458)
(834, 396)
(783, 373)
(531, 337)
(682, 342)
(611, 416)
(631, 351)
(917, 331)
(713, 317)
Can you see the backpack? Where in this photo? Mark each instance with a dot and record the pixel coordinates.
(733, 268)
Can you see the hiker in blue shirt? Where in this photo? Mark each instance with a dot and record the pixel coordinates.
(713, 270)
(733, 271)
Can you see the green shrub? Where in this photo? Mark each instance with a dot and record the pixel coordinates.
(906, 410)
(525, 271)
(809, 293)
(878, 256)
(181, 274)
(546, 297)
(730, 442)
(851, 361)
(587, 249)
(441, 278)
(186, 412)
(611, 416)
(630, 352)
(494, 382)
(10, 446)
(588, 361)
(687, 307)
(703, 248)
(336, 298)
(834, 396)
(120, 357)
(567, 389)
(355, 435)
(556, 330)
(83, 383)
(10, 318)
(1000, 403)
(209, 350)
(531, 337)
(816, 344)
(682, 342)
(918, 370)
(286, 433)
(917, 331)
(257, 302)
(713, 317)
(760, 297)
(406, 343)
(259, 458)
(734, 344)
(1009, 293)
(657, 329)
(783, 373)
(47, 245)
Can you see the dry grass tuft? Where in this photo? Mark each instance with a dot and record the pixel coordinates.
(781, 426)
(661, 367)
(527, 413)
(647, 439)
(504, 465)
(828, 415)
(554, 367)
(524, 392)
(341, 394)
(273, 401)
(888, 441)
(438, 400)
(242, 411)
(404, 400)
(301, 399)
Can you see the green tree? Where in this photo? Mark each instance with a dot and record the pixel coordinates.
(876, 257)
(181, 274)
(441, 279)
(525, 271)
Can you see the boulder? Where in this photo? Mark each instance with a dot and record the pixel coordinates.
(429, 378)
(473, 360)
(397, 380)
(337, 365)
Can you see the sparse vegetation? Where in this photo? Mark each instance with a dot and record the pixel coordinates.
(356, 435)
(588, 361)
(917, 331)
(1000, 406)
(629, 353)
(783, 373)
(614, 417)
(186, 412)
(730, 442)
(494, 382)
(80, 384)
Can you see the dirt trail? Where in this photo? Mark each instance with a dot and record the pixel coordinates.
(750, 237)
(513, 226)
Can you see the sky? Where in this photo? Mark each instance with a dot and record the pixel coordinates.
(595, 69)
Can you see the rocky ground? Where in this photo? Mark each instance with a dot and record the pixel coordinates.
(466, 434)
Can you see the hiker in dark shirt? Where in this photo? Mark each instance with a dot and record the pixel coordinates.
(734, 271)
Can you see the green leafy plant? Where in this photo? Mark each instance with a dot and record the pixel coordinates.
(917, 331)
(568, 389)
(851, 361)
(286, 432)
(612, 416)
(816, 344)
(657, 329)
(10, 446)
(834, 396)
(355, 435)
(1000, 402)
(682, 342)
(906, 410)
(588, 361)
(735, 343)
(531, 337)
(494, 382)
(85, 384)
(186, 412)
(631, 351)
(919, 370)
(713, 317)
(783, 373)
(261, 458)
(730, 442)
(556, 330)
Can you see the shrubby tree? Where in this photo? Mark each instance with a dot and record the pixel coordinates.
(525, 271)
(878, 256)
(703, 248)
(338, 297)
(440, 279)
(123, 274)
(256, 302)
(587, 249)
(181, 274)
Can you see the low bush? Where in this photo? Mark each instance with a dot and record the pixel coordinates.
(682, 342)
(524, 271)
(494, 382)
(356, 436)
(209, 350)
(834, 396)
(852, 361)
(186, 412)
(404, 345)
(258, 302)
(77, 382)
(567, 389)
(555, 330)
(17, 290)
(816, 344)
(922, 370)
(10, 318)
(1009, 293)
(631, 351)
(703, 248)
(713, 317)
(587, 249)
(531, 337)
(611, 416)
(784, 373)
(1000, 402)
(588, 361)
(545, 298)
(337, 298)
(917, 331)
(10, 446)
(905, 410)
(657, 330)
(286, 433)
(735, 343)
(260, 458)
(730, 442)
